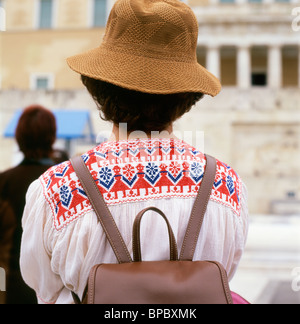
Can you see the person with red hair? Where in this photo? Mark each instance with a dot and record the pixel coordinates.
(35, 135)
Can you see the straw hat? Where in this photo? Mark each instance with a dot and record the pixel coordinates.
(149, 46)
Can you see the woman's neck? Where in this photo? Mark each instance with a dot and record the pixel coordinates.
(119, 133)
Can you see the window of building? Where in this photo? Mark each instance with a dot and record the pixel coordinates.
(41, 81)
(259, 78)
(228, 66)
(99, 13)
(290, 66)
(45, 14)
(227, 1)
(259, 66)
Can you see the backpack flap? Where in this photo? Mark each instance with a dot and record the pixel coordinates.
(159, 282)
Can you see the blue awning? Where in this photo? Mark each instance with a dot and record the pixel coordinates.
(71, 124)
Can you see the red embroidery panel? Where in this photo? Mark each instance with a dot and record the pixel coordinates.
(129, 171)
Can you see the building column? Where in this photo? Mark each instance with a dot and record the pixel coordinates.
(243, 67)
(274, 67)
(213, 61)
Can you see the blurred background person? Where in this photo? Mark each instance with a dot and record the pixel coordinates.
(35, 135)
(7, 228)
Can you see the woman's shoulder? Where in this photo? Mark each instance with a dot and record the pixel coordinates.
(228, 187)
(137, 170)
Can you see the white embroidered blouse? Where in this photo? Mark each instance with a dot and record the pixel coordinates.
(62, 238)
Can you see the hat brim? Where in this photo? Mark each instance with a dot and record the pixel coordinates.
(145, 74)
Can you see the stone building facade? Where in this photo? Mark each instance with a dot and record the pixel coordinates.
(253, 46)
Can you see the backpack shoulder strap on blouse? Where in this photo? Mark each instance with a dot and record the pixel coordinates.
(100, 207)
(198, 212)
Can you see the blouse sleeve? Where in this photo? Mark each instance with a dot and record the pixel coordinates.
(35, 260)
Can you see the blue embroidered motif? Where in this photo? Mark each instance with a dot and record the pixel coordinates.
(152, 173)
(230, 185)
(65, 196)
(106, 177)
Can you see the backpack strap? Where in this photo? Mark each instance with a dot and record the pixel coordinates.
(198, 212)
(104, 215)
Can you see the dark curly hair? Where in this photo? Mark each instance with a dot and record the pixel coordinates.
(36, 132)
(141, 111)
